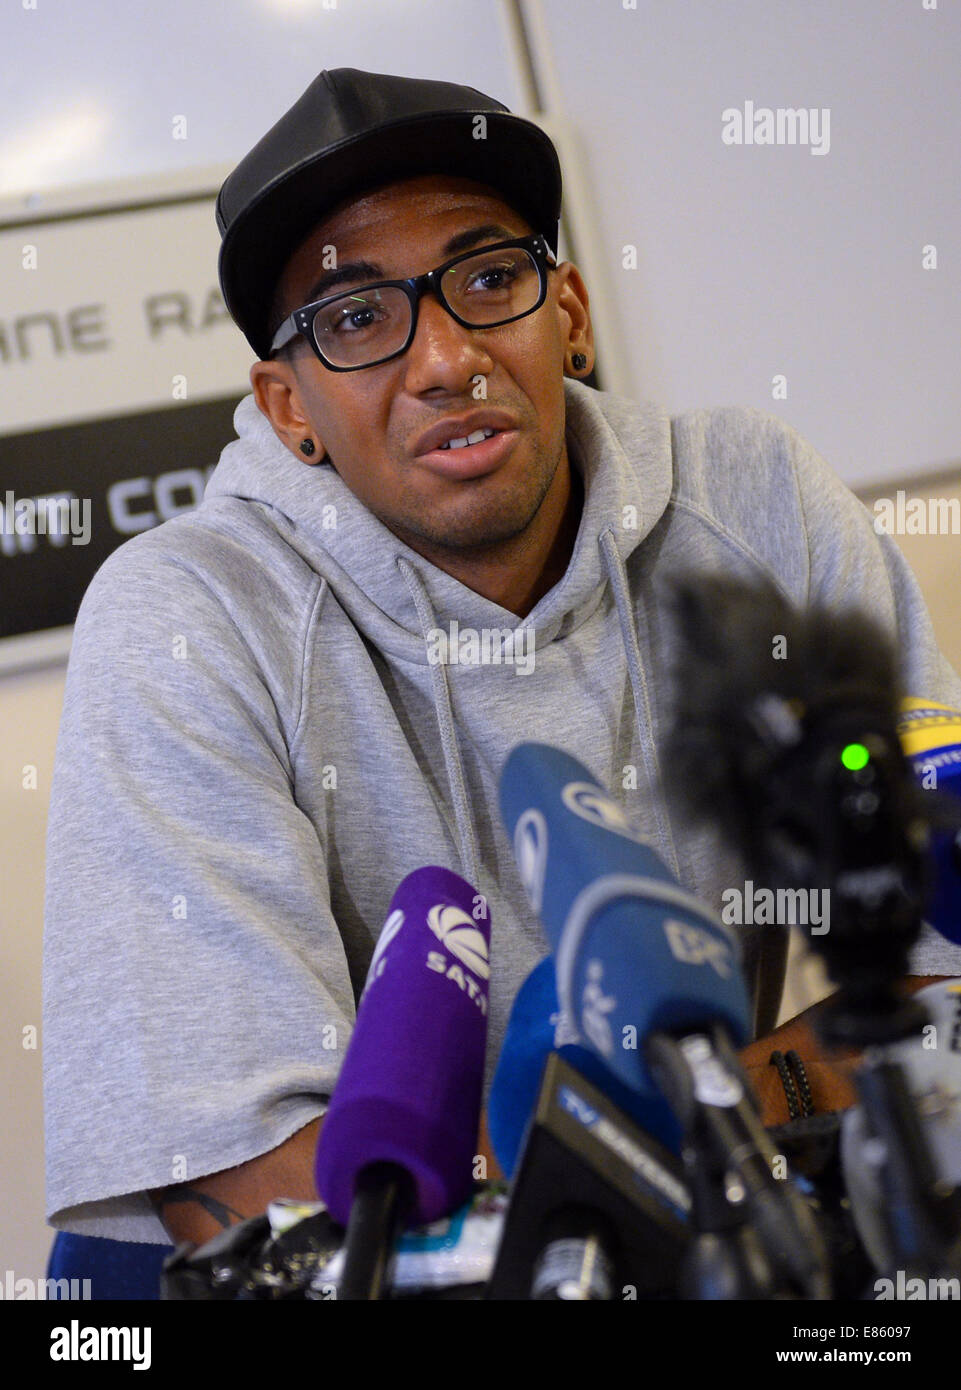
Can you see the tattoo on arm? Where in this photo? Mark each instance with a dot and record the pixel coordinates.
(184, 1193)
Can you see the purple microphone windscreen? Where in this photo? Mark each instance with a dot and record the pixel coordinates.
(409, 1090)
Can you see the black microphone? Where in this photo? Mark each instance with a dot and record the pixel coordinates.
(599, 1209)
(785, 737)
(786, 734)
(599, 1206)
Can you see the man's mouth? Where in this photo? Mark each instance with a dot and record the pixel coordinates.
(476, 438)
(471, 456)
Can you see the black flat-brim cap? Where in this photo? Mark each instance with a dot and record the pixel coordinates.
(350, 131)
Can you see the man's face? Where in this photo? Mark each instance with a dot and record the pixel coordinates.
(369, 423)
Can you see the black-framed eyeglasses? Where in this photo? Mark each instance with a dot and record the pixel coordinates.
(368, 325)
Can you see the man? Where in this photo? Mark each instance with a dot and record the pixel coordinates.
(429, 541)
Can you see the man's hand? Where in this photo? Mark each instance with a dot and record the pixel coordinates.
(828, 1077)
(829, 1074)
(198, 1209)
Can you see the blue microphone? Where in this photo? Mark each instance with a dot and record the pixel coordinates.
(652, 982)
(635, 953)
(535, 1029)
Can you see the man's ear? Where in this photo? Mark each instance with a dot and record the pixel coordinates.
(574, 311)
(277, 393)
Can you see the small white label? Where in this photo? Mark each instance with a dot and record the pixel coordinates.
(713, 1083)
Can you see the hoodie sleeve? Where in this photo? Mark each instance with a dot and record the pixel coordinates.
(197, 1000)
(852, 564)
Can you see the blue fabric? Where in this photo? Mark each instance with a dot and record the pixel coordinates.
(116, 1268)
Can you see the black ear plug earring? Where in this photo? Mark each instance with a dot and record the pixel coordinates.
(307, 446)
(578, 361)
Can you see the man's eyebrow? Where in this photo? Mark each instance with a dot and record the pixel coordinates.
(360, 272)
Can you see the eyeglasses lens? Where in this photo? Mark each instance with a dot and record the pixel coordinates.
(490, 288)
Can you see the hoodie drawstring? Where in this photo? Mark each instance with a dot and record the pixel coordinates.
(469, 851)
(617, 574)
(466, 830)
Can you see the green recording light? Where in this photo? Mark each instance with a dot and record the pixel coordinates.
(855, 756)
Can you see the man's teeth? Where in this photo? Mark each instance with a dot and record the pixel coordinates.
(474, 438)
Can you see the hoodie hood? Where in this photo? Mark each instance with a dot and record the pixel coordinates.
(362, 560)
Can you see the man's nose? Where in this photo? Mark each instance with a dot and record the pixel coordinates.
(443, 351)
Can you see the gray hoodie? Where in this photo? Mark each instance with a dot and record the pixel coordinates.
(259, 742)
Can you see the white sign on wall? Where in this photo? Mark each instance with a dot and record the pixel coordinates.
(119, 373)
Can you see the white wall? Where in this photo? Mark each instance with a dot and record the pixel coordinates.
(30, 704)
(754, 261)
(91, 89)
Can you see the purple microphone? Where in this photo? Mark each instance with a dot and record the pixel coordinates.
(398, 1141)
